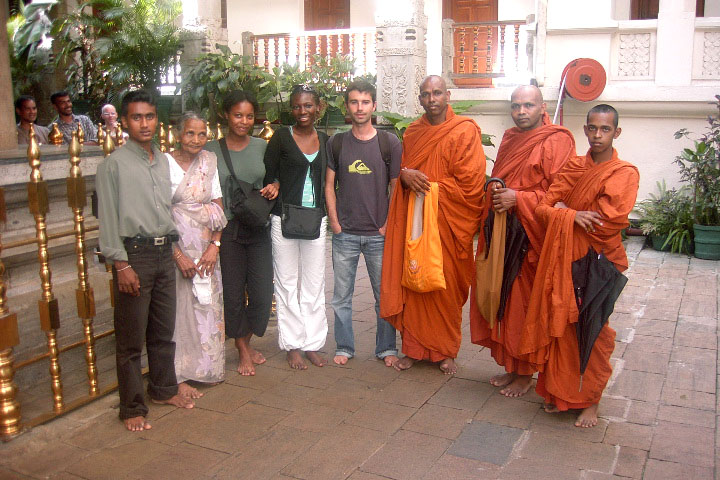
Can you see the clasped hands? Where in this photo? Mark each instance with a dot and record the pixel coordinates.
(584, 218)
(204, 267)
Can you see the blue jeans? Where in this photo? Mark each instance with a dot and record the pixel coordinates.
(346, 250)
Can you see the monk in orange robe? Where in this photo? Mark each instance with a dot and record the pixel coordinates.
(529, 156)
(587, 206)
(444, 148)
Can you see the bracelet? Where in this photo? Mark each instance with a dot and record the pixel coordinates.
(124, 268)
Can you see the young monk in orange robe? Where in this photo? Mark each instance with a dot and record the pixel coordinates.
(587, 206)
(529, 156)
(444, 148)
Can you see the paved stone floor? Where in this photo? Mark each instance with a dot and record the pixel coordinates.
(367, 422)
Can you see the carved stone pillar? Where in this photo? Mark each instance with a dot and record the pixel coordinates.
(204, 22)
(401, 55)
(448, 51)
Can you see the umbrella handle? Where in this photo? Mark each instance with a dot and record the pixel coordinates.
(494, 179)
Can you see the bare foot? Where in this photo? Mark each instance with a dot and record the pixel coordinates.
(502, 380)
(316, 359)
(257, 357)
(177, 401)
(295, 360)
(550, 408)
(136, 424)
(340, 359)
(246, 367)
(403, 364)
(390, 360)
(189, 392)
(448, 366)
(518, 387)
(588, 417)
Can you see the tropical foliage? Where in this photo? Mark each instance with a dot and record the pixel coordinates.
(668, 214)
(700, 168)
(29, 41)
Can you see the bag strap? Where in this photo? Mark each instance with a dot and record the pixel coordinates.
(385, 149)
(226, 156)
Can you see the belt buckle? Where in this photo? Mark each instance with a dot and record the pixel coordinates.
(157, 241)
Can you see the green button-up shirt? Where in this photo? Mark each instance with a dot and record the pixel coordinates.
(134, 198)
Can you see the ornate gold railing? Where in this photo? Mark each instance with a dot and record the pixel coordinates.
(483, 50)
(273, 50)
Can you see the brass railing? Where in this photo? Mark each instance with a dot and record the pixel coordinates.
(273, 50)
(481, 50)
(11, 423)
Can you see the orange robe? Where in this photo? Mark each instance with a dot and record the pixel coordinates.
(610, 189)
(450, 154)
(527, 162)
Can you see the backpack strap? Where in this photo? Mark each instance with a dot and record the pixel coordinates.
(337, 142)
(385, 149)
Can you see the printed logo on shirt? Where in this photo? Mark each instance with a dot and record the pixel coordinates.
(359, 167)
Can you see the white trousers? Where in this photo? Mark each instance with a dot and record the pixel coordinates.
(299, 267)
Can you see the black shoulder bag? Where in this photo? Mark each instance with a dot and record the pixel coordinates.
(246, 204)
(300, 222)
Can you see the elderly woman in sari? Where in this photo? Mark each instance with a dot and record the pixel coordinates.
(198, 214)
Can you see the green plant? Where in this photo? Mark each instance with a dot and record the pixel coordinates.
(401, 122)
(109, 46)
(206, 83)
(28, 33)
(700, 168)
(669, 213)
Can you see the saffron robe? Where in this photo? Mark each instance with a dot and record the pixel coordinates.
(527, 161)
(610, 189)
(450, 154)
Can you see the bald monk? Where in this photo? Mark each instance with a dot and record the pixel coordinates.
(444, 148)
(529, 156)
(587, 206)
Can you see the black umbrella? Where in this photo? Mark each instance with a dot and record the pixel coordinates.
(597, 286)
(516, 246)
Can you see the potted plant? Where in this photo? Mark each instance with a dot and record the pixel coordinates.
(667, 219)
(700, 168)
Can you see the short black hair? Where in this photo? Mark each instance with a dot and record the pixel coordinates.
(305, 88)
(22, 99)
(362, 86)
(135, 96)
(239, 96)
(56, 95)
(604, 108)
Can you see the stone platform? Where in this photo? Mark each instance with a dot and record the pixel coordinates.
(368, 422)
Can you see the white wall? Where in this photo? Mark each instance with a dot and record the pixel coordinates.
(712, 8)
(515, 10)
(578, 14)
(275, 16)
(362, 13)
(433, 36)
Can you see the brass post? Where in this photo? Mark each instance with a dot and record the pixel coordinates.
(171, 139)
(267, 132)
(84, 293)
(119, 140)
(108, 148)
(48, 304)
(161, 138)
(9, 407)
(56, 136)
(219, 133)
(208, 132)
(101, 133)
(80, 133)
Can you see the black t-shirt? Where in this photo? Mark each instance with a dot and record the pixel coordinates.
(362, 183)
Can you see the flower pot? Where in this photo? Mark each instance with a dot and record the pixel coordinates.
(707, 241)
(658, 241)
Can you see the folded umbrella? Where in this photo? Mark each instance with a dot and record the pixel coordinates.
(598, 285)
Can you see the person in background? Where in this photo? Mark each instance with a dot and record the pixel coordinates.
(67, 121)
(26, 111)
(109, 117)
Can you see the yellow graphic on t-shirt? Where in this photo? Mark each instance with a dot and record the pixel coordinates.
(359, 167)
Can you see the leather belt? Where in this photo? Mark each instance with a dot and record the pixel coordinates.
(152, 241)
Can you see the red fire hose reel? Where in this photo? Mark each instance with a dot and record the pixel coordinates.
(582, 79)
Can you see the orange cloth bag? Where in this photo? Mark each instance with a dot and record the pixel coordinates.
(489, 270)
(423, 261)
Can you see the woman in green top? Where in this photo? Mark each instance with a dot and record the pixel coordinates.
(245, 252)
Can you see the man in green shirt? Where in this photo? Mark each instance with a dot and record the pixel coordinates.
(136, 235)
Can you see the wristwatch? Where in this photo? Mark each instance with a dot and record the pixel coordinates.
(216, 243)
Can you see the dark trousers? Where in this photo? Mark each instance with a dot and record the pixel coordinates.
(246, 266)
(149, 317)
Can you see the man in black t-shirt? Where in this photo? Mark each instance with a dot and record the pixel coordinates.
(357, 188)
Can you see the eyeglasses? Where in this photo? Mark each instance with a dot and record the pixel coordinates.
(303, 87)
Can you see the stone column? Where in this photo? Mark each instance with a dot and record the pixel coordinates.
(401, 55)
(675, 31)
(203, 21)
(448, 51)
(8, 135)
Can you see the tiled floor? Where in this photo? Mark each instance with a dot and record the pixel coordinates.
(365, 421)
